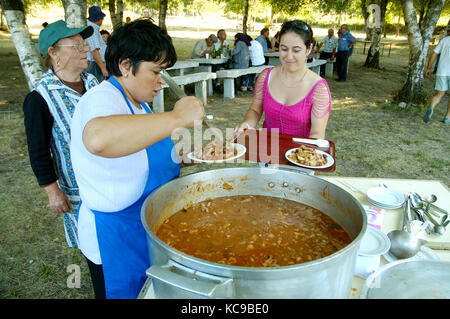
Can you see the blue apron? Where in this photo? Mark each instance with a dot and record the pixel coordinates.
(121, 235)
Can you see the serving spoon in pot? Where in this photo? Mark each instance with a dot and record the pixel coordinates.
(177, 90)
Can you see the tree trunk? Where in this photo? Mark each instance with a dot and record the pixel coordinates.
(116, 13)
(75, 13)
(366, 16)
(373, 55)
(397, 34)
(25, 46)
(411, 91)
(244, 20)
(162, 14)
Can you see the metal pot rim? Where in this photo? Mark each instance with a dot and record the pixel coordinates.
(189, 260)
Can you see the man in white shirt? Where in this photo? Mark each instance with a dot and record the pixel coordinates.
(330, 43)
(442, 85)
(204, 46)
(222, 43)
(96, 54)
(221, 47)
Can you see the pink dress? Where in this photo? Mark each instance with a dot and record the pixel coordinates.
(294, 119)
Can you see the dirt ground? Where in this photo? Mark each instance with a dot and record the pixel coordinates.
(372, 137)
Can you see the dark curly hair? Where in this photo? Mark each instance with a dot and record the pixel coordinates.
(299, 27)
(138, 41)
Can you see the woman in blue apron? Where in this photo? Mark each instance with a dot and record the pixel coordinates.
(121, 152)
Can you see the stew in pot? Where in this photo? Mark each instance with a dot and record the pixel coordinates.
(253, 231)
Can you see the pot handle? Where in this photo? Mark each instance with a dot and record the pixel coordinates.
(193, 281)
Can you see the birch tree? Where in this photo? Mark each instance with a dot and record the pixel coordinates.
(375, 23)
(411, 92)
(116, 12)
(75, 13)
(162, 14)
(26, 49)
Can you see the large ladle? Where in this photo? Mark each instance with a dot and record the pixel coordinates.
(406, 245)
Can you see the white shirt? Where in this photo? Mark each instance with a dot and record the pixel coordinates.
(95, 41)
(106, 184)
(443, 48)
(218, 44)
(329, 44)
(256, 53)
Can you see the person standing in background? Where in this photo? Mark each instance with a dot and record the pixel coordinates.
(48, 111)
(442, 85)
(96, 54)
(330, 43)
(345, 43)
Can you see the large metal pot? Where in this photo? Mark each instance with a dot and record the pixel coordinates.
(178, 275)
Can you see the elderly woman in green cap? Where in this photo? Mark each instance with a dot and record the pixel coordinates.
(48, 110)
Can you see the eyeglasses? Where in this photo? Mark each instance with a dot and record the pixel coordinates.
(79, 45)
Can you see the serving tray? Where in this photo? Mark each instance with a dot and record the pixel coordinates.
(259, 144)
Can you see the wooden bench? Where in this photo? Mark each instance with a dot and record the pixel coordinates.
(199, 79)
(228, 77)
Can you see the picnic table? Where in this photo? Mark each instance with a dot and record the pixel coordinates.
(206, 66)
(382, 44)
(180, 67)
(391, 220)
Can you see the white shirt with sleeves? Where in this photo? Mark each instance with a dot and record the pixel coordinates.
(106, 184)
(256, 53)
(96, 41)
(329, 44)
(443, 48)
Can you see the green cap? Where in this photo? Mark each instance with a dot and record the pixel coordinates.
(59, 30)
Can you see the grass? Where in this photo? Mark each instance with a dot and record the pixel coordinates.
(373, 139)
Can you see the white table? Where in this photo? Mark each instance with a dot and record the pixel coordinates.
(274, 57)
(180, 67)
(206, 66)
(392, 217)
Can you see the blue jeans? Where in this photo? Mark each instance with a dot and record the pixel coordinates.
(342, 62)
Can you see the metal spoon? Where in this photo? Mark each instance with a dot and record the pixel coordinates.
(420, 203)
(430, 200)
(318, 142)
(406, 245)
(440, 229)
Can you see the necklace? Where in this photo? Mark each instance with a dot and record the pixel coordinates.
(295, 86)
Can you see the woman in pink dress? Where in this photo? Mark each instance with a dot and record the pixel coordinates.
(294, 99)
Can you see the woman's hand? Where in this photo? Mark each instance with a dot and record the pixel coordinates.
(189, 109)
(241, 127)
(58, 201)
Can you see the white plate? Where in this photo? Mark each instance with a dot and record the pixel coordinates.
(241, 149)
(374, 243)
(386, 197)
(330, 160)
(383, 206)
(424, 253)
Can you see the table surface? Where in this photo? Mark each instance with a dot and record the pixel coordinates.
(211, 61)
(392, 217)
(260, 147)
(184, 64)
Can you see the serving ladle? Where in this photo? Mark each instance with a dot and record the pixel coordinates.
(406, 245)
